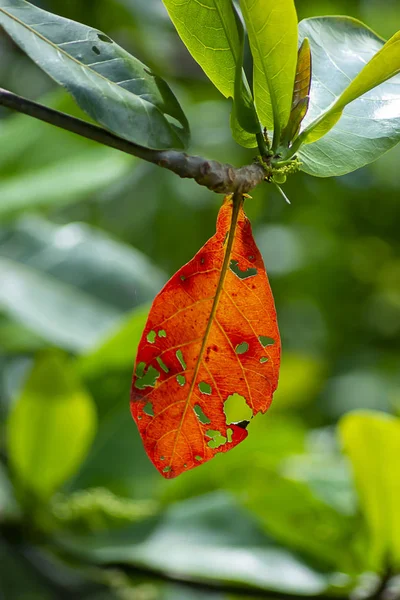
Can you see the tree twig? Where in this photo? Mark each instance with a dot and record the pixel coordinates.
(218, 177)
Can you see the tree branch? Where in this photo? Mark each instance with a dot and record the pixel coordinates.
(218, 177)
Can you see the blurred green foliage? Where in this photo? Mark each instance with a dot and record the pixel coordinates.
(87, 238)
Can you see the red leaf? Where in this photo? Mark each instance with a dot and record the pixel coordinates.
(211, 332)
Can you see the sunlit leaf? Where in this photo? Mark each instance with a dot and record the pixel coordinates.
(301, 92)
(369, 125)
(211, 333)
(210, 32)
(110, 85)
(50, 428)
(372, 442)
(272, 29)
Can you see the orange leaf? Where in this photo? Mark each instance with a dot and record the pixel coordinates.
(211, 333)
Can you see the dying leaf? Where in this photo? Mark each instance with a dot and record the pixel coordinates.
(301, 92)
(211, 333)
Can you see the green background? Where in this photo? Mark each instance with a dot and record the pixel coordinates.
(88, 235)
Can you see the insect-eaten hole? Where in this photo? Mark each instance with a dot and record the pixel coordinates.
(205, 388)
(181, 379)
(216, 440)
(151, 337)
(266, 341)
(200, 415)
(104, 38)
(96, 50)
(167, 469)
(162, 457)
(162, 333)
(182, 278)
(148, 409)
(236, 410)
(242, 348)
(179, 356)
(263, 359)
(249, 272)
(198, 458)
(162, 364)
(229, 434)
(146, 379)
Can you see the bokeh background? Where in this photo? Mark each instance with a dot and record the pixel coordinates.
(87, 237)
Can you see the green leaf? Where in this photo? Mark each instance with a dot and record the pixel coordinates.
(272, 30)
(370, 125)
(372, 442)
(209, 539)
(50, 428)
(64, 182)
(109, 84)
(384, 65)
(209, 31)
(60, 281)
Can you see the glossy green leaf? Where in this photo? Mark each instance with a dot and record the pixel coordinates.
(272, 30)
(384, 65)
(209, 31)
(110, 85)
(51, 426)
(370, 125)
(372, 442)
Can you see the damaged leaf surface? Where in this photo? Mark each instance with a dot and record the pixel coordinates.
(211, 332)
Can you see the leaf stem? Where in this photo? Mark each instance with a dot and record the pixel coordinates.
(218, 177)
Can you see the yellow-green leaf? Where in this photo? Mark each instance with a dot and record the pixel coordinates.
(272, 30)
(383, 66)
(51, 426)
(372, 442)
(209, 31)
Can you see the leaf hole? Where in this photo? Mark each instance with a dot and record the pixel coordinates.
(202, 260)
(167, 469)
(236, 409)
(151, 337)
(148, 409)
(200, 415)
(148, 379)
(179, 356)
(140, 367)
(263, 359)
(185, 466)
(205, 388)
(162, 457)
(183, 278)
(242, 348)
(96, 50)
(198, 458)
(104, 38)
(181, 379)
(249, 272)
(229, 433)
(266, 341)
(162, 364)
(216, 440)
(162, 333)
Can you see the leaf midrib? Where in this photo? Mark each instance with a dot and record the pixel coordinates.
(237, 204)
